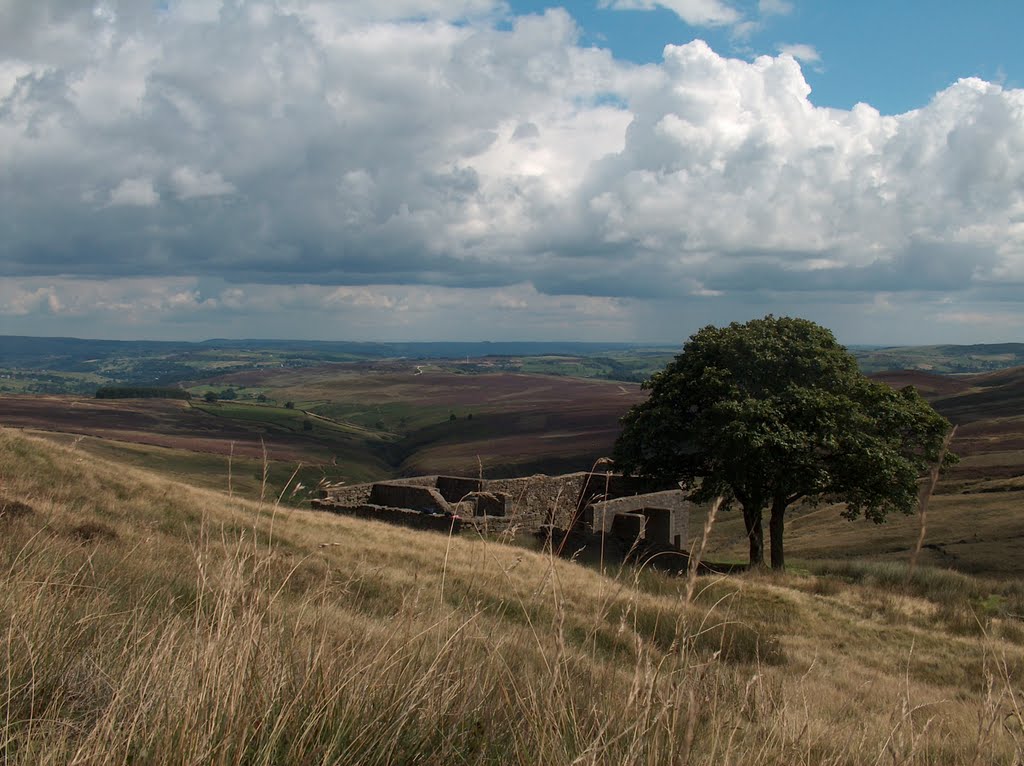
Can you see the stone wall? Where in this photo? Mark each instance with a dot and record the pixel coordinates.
(484, 504)
(359, 494)
(668, 515)
(455, 488)
(629, 527)
(409, 496)
(526, 504)
(541, 500)
(400, 516)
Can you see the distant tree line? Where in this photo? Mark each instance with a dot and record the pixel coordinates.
(141, 392)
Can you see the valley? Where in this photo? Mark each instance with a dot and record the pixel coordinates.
(281, 427)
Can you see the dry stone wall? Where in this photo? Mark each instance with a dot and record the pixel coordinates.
(542, 500)
(400, 516)
(529, 504)
(409, 496)
(455, 488)
(668, 528)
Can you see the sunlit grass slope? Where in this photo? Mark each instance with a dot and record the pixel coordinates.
(146, 621)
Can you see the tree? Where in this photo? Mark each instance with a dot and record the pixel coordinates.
(775, 411)
(289, 405)
(210, 396)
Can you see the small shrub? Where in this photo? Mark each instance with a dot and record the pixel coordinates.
(14, 509)
(93, 531)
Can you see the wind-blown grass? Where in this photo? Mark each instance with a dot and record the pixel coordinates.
(145, 621)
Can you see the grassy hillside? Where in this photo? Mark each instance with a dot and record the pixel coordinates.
(147, 621)
(975, 532)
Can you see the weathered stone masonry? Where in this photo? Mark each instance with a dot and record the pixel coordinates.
(598, 503)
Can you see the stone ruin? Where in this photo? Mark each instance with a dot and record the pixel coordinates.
(628, 509)
(657, 516)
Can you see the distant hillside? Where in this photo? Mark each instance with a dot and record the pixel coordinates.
(988, 410)
(929, 384)
(967, 398)
(79, 354)
(79, 366)
(941, 359)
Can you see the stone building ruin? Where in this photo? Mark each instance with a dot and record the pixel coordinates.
(632, 510)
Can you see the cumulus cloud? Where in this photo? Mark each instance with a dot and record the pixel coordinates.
(802, 52)
(190, 183)
(699, 13)
(444, 147)
(181, 307)
(775, 7)
(134, 192)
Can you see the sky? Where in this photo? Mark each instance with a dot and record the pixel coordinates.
(614, 170)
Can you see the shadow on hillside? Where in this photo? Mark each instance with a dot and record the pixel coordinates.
(600, 552)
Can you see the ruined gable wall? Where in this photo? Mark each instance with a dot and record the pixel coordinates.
(539, 500)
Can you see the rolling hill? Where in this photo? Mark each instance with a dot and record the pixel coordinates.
(375, 419)
(145, 620)
(349, 422)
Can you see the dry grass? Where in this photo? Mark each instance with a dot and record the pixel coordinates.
(146, 621)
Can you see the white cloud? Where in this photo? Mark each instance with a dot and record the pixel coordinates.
(775, 7)
(807, 54)
(179, 307)
(698, 13)
(461, 150)
(191, 183)
(991, 320)
(359, 297)
(134, 192)
(129, 300)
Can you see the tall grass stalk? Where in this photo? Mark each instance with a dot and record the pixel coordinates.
(693, 564)
(140, 623)
(231, 457)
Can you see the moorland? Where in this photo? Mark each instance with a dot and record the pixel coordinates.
(168, 597)
(275, 418)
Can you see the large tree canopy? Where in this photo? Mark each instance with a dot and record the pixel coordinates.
(775, 411)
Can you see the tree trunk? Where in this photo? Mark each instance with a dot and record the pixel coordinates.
(777, 525)
(755, 534)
